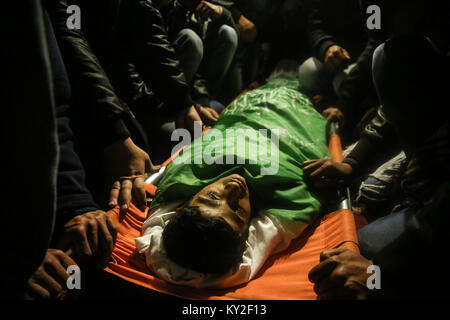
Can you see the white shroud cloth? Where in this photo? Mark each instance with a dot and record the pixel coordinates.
(267, 235)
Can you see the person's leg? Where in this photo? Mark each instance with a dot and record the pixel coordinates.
(379, 234)
(189, 48)
(313, 77)
(220, 58)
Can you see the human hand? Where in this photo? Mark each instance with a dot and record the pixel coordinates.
(186, 119)
(341, 274)
(335, 58)
(247, 29)
(90, 236)
(326, 173)
(333, 113)
(49, 281)
(126, 165)
(208, 10)
(208, 115)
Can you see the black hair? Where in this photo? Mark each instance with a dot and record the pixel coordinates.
(203, 244)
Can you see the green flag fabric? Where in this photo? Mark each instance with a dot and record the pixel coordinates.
(265, 135)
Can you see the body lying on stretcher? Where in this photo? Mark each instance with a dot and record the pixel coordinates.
(237, 195)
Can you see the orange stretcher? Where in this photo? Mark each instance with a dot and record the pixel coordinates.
(284, 276)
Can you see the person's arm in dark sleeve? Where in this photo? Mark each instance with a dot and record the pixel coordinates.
(227, 18)
(155, 57)
(90, 84)
(319, 38)
(235, 13)
(358, 84)
(247, 30)
(73, 197)
(377, 141)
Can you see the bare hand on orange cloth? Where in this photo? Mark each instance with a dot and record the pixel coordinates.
(341, 274)
(128, 165)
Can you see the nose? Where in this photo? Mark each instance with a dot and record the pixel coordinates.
(234, 193)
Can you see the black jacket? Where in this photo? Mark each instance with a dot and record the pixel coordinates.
(144, 66)
(336, 23)
(377, 143)
(98, 107)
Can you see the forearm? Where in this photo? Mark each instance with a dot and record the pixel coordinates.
(359, 82)
(73, 197)
(226, 18)
(235, 13)
(377, 141)
(320, 40)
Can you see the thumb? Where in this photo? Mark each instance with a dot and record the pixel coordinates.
(346, 54)
(156, 168)
(215, 114)
(149, 166)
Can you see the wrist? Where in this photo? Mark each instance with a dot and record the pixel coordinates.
(198, 107)
(323, 49)
(351, 164)
(348, 169)
(121, 143)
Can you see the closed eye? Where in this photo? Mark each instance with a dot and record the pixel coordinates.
(213, 195)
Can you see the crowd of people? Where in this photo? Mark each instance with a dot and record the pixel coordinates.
(89, 113)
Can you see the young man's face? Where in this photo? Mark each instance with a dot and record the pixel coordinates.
(227, 198)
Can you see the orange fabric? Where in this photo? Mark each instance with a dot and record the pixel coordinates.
(150, 189)
(283, 276)
(335, 147)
